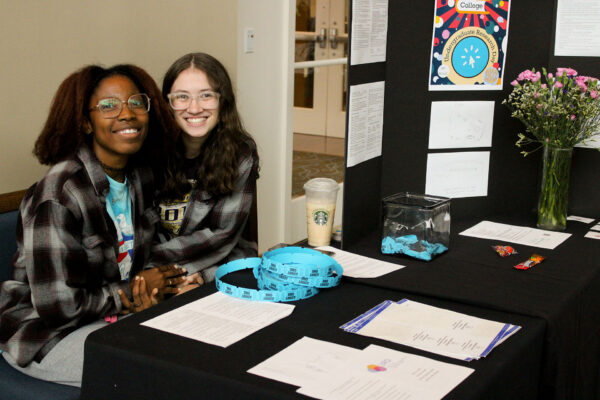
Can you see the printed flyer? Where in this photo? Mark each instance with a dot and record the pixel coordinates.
(468, 49)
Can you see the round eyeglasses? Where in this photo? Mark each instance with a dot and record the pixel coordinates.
(111, 107)
(182, 101)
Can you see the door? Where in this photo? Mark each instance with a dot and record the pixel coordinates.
(320, 92)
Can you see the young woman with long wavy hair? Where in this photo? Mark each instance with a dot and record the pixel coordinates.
(204, 210)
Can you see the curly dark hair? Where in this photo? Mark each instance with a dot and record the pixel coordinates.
(224, 145)
(65, 128)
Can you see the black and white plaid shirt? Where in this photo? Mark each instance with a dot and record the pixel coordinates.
(211, 229)
(65, 271)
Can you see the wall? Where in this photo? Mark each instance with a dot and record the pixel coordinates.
(42, 42)
(265, 90)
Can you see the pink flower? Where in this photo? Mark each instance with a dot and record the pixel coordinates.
(544, 86)
(515, 83)
(550, 75)
(558, 85)
(582, 86)
(567, 71)
(528, 75)
(581, 79)
(593, 94)
(572, 117)
(524, 75)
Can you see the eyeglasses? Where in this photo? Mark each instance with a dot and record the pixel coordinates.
(182, 100)
(111, 107)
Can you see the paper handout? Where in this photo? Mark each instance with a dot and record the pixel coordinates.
(517, 234)
(431, 329)
(220, 319)
(326, 370)
(305, 361)
(381, 373)
(356, 266)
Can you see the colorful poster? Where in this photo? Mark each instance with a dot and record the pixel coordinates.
(468, 50)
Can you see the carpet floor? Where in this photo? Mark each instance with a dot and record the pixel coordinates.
(306, 166)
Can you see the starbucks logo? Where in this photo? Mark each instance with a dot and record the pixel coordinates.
(321, 217)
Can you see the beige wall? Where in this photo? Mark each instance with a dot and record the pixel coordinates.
(265, 90)
(41, 42)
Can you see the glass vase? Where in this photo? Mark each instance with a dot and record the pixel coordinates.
(554, 190)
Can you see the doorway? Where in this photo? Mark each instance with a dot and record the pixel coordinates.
(319, 91)
(319, 113)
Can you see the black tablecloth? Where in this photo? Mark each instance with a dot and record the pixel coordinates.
(128, 361)
(564, 290)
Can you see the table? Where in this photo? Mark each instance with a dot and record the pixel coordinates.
(126, 360)
(564, 290)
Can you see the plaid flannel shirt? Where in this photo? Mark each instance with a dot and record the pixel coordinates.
(212, 226)
(65, 270)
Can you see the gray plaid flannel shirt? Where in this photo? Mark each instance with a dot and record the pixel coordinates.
(211, 230)
(65, 269)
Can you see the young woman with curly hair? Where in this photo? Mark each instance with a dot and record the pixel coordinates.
(86, 228)
(204, 212)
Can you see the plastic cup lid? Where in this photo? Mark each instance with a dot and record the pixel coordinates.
(321, 185)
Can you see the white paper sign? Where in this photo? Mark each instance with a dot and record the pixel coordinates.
(369, 31)
(456, 175)
(365, 122)
(577, 28)
(455, 124)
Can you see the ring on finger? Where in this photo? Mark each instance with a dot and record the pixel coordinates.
(170, 282)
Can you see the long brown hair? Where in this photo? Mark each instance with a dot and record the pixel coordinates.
(228, 140)
(65, 127)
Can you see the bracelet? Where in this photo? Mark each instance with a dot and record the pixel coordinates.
(322, 282)
(289, 294)
(285, 274)
(297, 261)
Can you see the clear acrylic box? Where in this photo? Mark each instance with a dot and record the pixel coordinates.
(415, 225)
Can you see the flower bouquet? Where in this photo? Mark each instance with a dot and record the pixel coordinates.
(559, 111)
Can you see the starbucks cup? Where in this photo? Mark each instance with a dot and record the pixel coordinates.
(321, 196)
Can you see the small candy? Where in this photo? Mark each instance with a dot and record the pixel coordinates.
(504, 251)
(533, 260)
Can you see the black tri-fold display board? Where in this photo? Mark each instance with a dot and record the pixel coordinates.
(513, 180)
